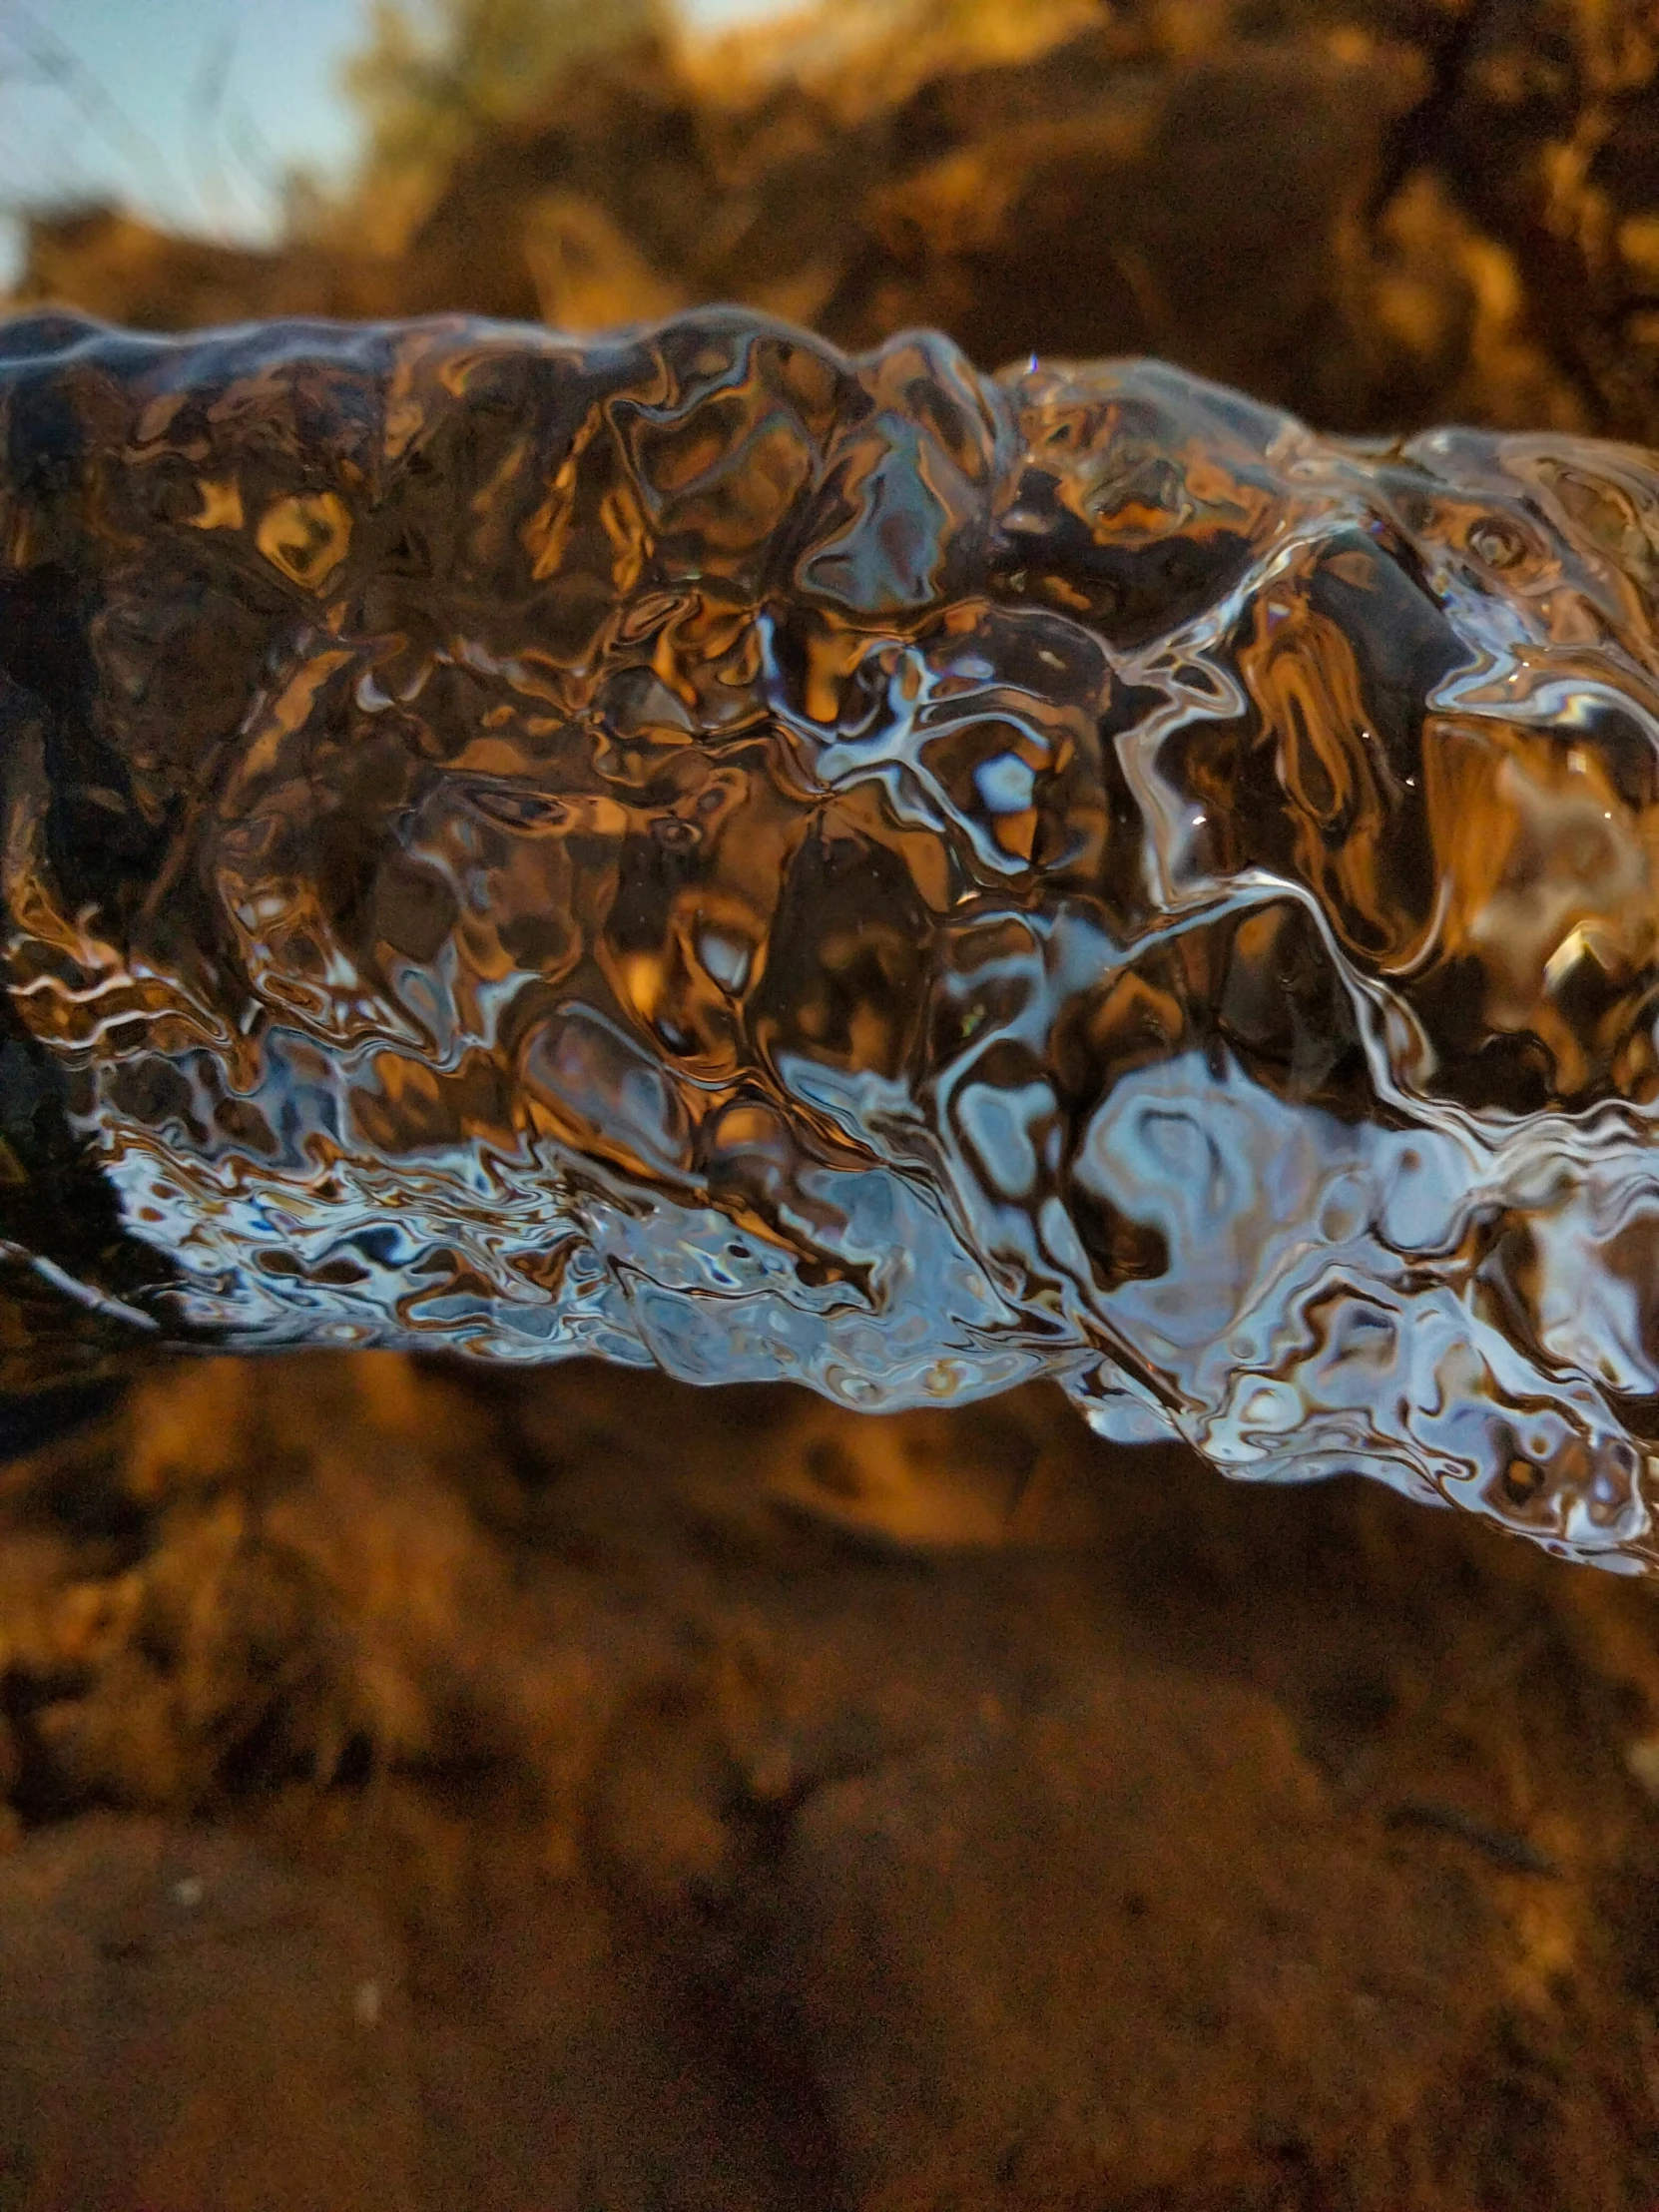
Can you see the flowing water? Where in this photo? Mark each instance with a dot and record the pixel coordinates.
(699, 850)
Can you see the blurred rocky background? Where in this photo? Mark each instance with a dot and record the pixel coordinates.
(1377, 211)
(579, 1794)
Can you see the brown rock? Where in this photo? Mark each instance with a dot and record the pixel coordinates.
(1195, 211)
(759, 1834)
(1039, 1967)
(187, 2024)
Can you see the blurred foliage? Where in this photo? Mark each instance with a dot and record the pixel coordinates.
(436, 77)
(436, 74)
(864, 54)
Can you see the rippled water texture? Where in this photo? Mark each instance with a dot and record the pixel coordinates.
(699, 851)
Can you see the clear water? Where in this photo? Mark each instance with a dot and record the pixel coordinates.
(701, 851)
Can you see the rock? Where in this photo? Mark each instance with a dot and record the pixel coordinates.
(757, 1843)
(186, 2024)
(1036, 1966)
(1157, 221)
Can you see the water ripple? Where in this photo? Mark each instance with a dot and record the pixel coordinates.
(695, 849)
